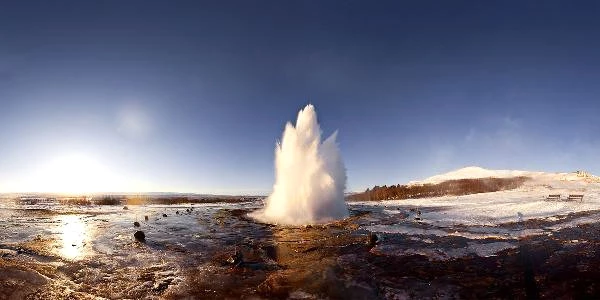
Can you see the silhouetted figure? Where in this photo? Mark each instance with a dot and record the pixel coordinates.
(165, 215)
(526, 259)
(146, 218)
(519, 217)
(372, 239)
(136, 224)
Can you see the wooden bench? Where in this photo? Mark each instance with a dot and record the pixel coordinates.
(574, 197)
(553, 197)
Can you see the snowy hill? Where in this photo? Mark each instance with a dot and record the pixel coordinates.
(537, 177)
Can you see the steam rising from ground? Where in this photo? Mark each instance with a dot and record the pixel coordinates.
(310, 176)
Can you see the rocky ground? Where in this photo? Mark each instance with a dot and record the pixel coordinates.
(235, 257)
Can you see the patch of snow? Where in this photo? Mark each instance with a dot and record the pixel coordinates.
(490, 209)
(489, 249)
(472, 233)
(444, 254)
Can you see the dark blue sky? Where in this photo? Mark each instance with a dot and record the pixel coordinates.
(191, 96)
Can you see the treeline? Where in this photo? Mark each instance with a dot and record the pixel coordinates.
(183, 200)
(139, 200)
(450, 187)
(75, 201)
(167, 200)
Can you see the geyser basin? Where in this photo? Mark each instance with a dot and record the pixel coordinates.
(310, 176)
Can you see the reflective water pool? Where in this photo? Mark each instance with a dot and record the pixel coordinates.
(216, 251)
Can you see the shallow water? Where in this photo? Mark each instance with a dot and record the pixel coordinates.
(216, 251)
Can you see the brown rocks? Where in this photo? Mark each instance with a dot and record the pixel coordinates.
(237, 259)
(139, 236)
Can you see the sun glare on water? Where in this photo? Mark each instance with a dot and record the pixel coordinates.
(74, 235)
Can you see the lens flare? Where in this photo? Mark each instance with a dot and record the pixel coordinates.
(72, 174)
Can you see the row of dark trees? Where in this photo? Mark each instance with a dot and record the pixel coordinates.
(450, 187)
(166, 200)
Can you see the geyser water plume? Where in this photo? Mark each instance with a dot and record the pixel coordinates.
(310, 177)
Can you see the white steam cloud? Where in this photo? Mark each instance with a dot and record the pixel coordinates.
(310, 177)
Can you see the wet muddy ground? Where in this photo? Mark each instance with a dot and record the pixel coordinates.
(215, 251)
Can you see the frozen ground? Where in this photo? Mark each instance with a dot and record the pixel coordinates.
(511, 244)
(90, 250)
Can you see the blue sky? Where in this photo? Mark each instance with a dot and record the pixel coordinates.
(158, 96)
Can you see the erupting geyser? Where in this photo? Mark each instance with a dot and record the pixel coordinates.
(310, 176)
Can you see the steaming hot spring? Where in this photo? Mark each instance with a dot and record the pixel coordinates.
(310, 176)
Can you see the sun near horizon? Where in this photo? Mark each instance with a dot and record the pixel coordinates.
(74, 173)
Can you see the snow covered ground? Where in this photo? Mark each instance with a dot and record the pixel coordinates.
(459, 243)
(500, 215)
(490, 209)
